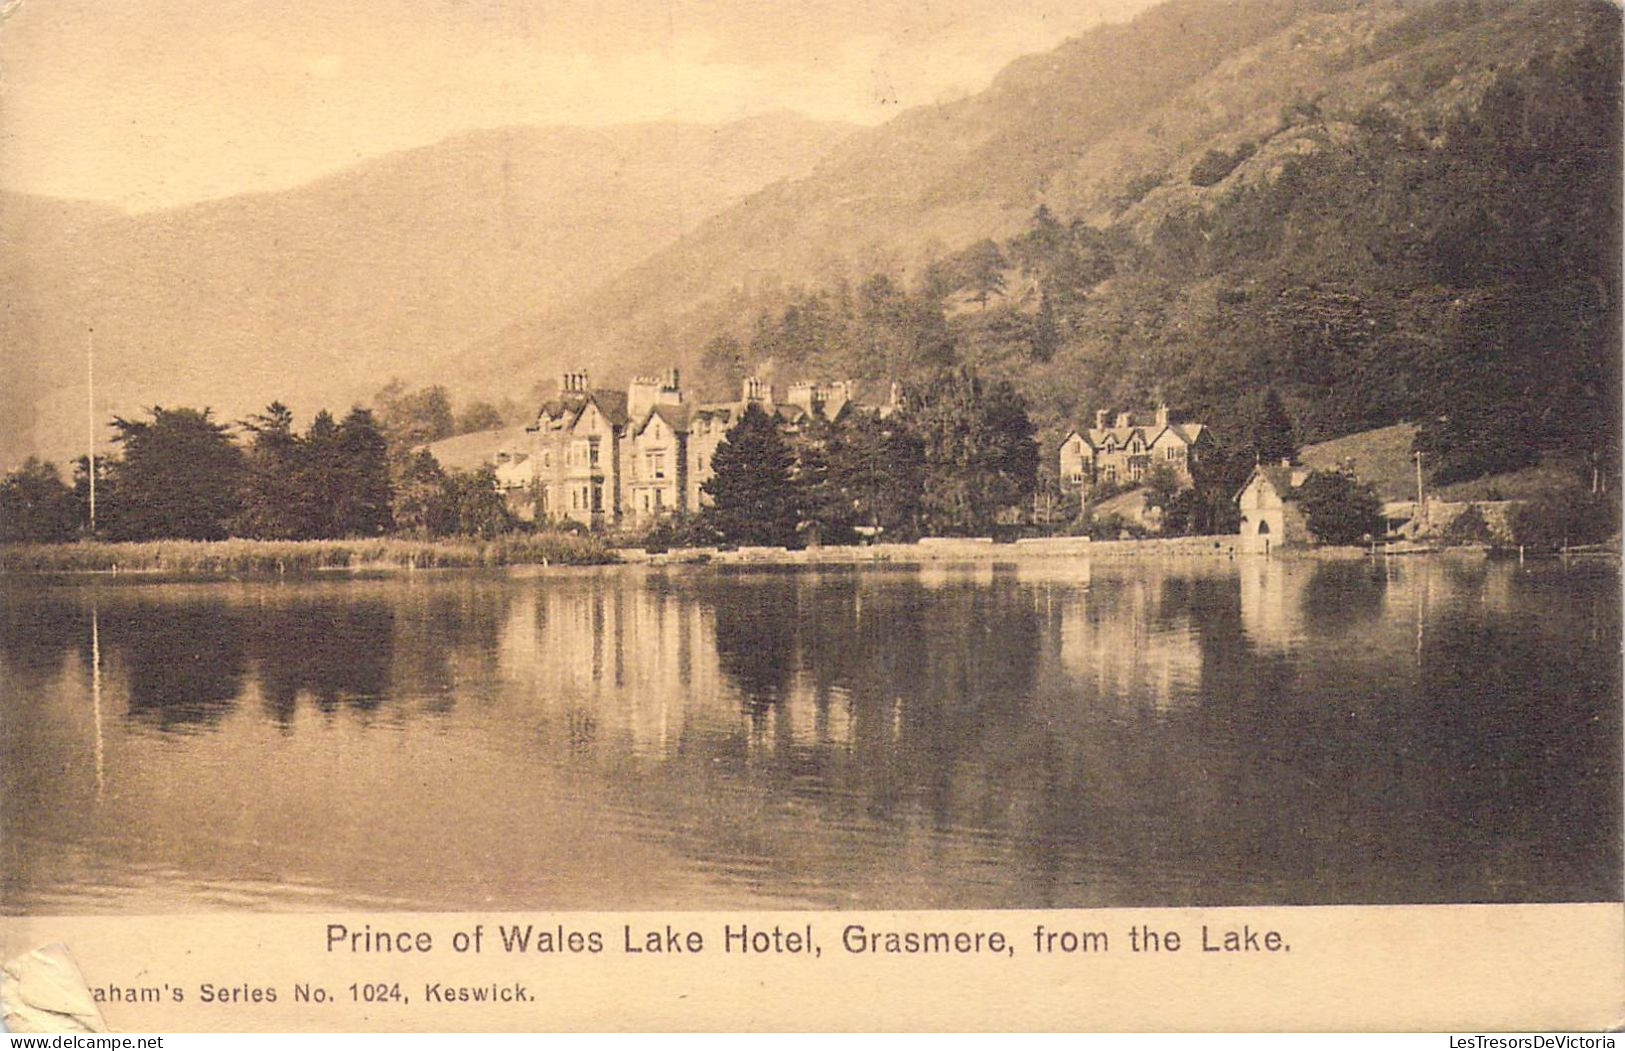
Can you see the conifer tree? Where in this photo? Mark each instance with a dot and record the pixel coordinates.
(753, 499)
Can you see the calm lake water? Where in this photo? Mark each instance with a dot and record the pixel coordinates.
(1049, 734)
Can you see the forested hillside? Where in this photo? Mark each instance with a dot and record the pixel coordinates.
(1386, 211)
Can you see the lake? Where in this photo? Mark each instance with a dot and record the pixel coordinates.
(1050, 733)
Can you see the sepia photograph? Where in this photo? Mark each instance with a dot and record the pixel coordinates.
(565, 456)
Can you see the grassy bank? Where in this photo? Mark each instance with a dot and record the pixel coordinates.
(234, 557)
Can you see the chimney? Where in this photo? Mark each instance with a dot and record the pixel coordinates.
(894, 396)
(1162, 415)
(1286, 461)
(836, 396)
(573, 383)
(1125, 420)
(751, 389)
(674, 382)
(1100, 419)
(641, 395)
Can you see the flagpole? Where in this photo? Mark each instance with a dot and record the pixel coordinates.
(90, 416)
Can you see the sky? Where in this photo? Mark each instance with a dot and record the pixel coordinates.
(148, 104)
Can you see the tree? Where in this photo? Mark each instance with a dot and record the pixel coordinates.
(1272, 438)
(1163, 491)
(35, 506)
(983, 270)
(476, 507)
(274, 503)
(877, 466)
(753, 500)
(824, 507)
(420, 502)
(479, 416)
(323, 477)
(363, 505)
(1340, 508)
(1564, 517)
(413, 418)
(179, 477)
(978, 449)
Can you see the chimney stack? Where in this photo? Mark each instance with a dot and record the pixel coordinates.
(1162, 415)
(1125, 420)
(1100, 419)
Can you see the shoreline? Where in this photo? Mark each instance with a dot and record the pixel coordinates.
(224, 560)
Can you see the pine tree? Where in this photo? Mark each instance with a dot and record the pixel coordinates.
(274, 503)
(979, 454)
(753, 499)
(1273, 439)
(179, 476)
(364, 495)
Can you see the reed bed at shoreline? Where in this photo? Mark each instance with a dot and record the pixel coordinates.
(259, 557)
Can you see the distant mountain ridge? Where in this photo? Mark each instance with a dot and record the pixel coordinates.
(317, 295)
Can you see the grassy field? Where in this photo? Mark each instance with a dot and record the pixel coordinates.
(234, 557)
(1383, 458)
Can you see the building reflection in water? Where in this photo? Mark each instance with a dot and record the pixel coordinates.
(1035, 734)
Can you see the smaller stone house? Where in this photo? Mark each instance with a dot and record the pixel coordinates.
(1270, 516)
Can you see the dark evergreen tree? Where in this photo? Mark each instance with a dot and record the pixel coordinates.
(878, 468)
(363, 507)
(753, 499)
(274, 504)
(323, 477)
(1273, 440)
(979, 454)
(824, 506)
(35, 505)
(179, 476)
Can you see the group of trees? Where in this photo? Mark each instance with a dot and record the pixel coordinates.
(958, 454)
(181, 474)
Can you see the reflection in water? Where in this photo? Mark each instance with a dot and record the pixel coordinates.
(1028, 735)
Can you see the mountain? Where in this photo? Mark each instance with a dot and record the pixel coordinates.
(1384, 207)
(317, 294)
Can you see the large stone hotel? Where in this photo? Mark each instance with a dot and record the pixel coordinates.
(604, 457)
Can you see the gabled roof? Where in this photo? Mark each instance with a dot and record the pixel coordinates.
(612, 403)
(676, 417)
(1189, 431)
(1279, 479)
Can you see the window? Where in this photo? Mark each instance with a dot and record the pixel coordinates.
(659, 499)
(1109, 473)
(1136, 446)
(1135, 472)
(1173, 453)
(657, 464)
(1076, 477)
(592, 452)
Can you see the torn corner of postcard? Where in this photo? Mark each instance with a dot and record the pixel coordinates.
(43, 991)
